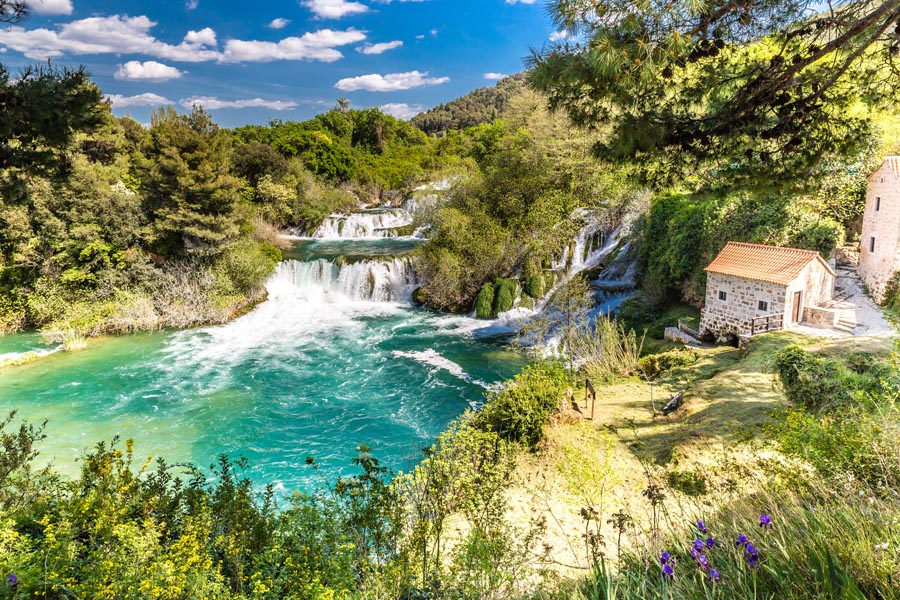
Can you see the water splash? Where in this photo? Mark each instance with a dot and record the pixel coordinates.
(378, 223)
(390, 280)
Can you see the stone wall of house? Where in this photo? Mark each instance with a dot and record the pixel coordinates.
(822, 317)
(815, 284)
(735, 314)
(876, 268)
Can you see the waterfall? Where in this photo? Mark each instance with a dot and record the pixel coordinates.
(390, 280)
(381, 223)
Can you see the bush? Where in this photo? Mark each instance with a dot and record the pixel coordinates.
(520, 412)
(484, 302)
(813, 382)
(656, 364)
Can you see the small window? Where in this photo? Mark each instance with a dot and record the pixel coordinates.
(762, 305)
(871, 245)
(877, 203)
(723, 296)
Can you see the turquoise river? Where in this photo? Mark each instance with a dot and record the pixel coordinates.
(335, 357)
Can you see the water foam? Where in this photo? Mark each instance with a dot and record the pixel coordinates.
(12, 359)
(434, 359)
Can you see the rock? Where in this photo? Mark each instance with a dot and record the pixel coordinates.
(674, 403)
(674, 334)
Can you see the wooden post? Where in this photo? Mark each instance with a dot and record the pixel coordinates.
(590, 391)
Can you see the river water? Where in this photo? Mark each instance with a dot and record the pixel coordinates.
(336, 357)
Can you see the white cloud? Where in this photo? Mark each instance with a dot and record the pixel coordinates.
(212, 103)
(107, 35)
(401, 110)
(421, 36)
(433, 32)
(132, 35)
(51, 7)
(559, 35)
(191, 4)
(119, 101)
(319, 45)
(388, 83)
(495, 76)
(279, 23)
(150, 70)
(334, 9)
(204, 37)
(379, 48)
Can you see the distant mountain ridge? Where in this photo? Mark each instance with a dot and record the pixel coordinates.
(479, 106)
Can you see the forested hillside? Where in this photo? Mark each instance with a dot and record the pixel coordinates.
(478, 107)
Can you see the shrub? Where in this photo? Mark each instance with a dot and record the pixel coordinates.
(656, 364)
(520, 412)
(484, 302)
(811, 381)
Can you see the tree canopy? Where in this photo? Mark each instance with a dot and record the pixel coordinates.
(737, 85)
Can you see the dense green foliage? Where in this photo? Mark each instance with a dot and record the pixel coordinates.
(764, 89)
(374, 151)
(520, 412)
(681, 234)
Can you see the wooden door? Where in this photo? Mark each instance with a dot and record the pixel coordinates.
(798, 298)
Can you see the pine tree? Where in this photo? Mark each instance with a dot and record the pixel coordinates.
(188, 189)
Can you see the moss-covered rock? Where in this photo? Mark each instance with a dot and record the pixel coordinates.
(505, 294)
(484, 302)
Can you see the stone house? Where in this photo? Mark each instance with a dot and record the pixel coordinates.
(879, 243)
(752, 289)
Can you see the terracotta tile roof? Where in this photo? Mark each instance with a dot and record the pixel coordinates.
(763, 263)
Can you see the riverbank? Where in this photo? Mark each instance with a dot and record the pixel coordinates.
(713, 451)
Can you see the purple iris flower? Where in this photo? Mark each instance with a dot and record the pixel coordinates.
(714, 575)
(742, 540)
(664, 558)
(702, 527)
(698, 545)
(710, 543)
(668, 572)
(765, 521)
(12, 580)
(751, 555)
(702, 562)
(694, 552)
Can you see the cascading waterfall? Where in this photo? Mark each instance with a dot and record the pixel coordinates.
(373, 280)
(381, 223)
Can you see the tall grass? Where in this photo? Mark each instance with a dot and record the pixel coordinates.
(822, 545)
(606, 351)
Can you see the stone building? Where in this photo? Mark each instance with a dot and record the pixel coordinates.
(753, 289)
(879, 243)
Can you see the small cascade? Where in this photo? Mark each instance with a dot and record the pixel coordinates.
(372, 280)
(378, 223)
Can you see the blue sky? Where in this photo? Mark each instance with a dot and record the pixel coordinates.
(289, 59)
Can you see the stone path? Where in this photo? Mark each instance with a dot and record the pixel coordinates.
(856, 307)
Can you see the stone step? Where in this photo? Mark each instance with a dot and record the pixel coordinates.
(844, 328)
